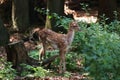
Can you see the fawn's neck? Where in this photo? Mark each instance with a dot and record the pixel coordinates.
(70, 36)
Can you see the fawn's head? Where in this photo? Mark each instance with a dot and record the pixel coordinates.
(74, 25)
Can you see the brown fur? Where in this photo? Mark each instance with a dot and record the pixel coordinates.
(57, 40)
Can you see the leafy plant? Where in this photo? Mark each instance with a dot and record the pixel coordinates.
(114, 27)
(100, 50)
(71, 61)
(85, 7)
(41, 10)
(26, 69)
(64, 21)
(67, 74)
(34, 71)
(40, 72)
(6, 70)
(34, 54)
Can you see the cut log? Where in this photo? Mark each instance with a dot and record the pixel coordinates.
(17, 54)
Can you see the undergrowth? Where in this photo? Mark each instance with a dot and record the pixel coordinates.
(6, 70)
(95, 50)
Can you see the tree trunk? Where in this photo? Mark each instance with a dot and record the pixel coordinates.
(107, 7)
(54, 6)
(20, 14)
(4, 36)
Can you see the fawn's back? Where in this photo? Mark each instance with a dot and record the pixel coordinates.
(55, 39)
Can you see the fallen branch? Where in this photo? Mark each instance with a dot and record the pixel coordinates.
(49, 60)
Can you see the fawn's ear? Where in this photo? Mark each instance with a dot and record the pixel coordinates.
(34, 34)
(36, 29)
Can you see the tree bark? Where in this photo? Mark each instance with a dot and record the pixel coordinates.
(107, 7)
(20, 14)
(16, 53)
(54, 6)
(4, 36)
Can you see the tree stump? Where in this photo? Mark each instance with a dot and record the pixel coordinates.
(16, 53)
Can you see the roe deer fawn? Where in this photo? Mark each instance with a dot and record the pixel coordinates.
(57, 40)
